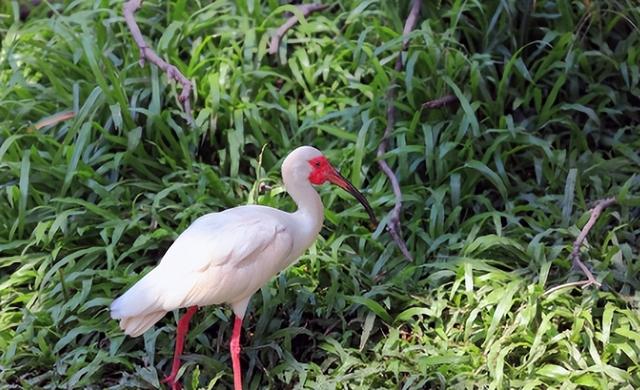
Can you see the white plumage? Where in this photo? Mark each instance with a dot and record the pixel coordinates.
(221, 258)
(226, 257)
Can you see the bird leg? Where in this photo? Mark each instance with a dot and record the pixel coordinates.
(235, 353)
(183, 329)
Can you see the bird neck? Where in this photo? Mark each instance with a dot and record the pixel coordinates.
(310, 209)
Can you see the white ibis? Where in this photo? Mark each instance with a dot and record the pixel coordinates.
(226, 257)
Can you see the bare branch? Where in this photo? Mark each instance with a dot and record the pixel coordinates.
(440, 102)
(575, 253)
(306, 9)
(146, 53)
(394, 225)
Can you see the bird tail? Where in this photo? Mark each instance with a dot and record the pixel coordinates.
(135, 326)
(138, 308)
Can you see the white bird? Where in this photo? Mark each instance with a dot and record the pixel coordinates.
(226, 257)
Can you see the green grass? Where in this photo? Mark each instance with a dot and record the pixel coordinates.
(496, 188)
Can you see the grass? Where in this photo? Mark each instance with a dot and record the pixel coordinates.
(496, 188)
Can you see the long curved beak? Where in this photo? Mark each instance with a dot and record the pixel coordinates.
(336, 178)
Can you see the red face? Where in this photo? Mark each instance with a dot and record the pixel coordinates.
(322, 171)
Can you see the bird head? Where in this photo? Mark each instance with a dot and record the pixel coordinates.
(317, 169)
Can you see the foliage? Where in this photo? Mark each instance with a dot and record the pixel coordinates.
(495, 188)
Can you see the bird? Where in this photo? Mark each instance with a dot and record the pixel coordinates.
(225, 257)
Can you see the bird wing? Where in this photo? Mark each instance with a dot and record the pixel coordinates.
(221, 257)
(225, 239)
(224, 257)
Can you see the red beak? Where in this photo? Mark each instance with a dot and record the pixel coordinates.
(336, 178)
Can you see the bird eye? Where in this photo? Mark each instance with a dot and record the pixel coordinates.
(317, 164)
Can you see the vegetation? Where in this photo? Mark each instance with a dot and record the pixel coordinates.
(496, 188)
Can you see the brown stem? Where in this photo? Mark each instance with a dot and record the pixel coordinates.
(146, 53)
(575, 253)
(394, 225)
(440, 102)
(306, 9)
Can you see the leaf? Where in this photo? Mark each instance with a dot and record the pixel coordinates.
(503, 307)
(553, 371)
(373, 306)
(567, 200)
(25, 168)
(78, 149)
(466, 106)
(411, 312)
(366, 329)
(547, 109)
(607, 318)
(71, 335)
(490, 175)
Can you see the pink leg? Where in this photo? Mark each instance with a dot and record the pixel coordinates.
(183, 329)
(235, 353)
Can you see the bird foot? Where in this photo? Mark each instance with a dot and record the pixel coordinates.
(171, 381)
